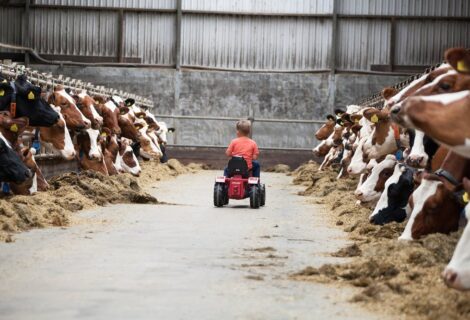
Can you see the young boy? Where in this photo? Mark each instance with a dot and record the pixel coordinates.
(245, 147)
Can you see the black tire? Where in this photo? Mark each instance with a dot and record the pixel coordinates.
(219, 197)
(263, 195)
(255, 197)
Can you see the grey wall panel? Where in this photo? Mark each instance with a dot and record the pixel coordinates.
(151, 37)
(449, 8)
(263, 6)
(362, 43)
(424, 43)
(141, 4)
(74, 32)
(255, 42)
(11, 26)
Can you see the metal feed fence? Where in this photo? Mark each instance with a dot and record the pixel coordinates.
(47, 81)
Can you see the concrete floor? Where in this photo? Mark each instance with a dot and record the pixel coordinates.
(185, 260)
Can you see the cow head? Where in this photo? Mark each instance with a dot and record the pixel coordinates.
(59, 137)
(29, 186)
(12, 169)
(86, 104)
(90, 153)
(393, 203)
(434, 209)
(128, 160)
(29, 102)
(12, 128)
(110, 115)
(73, 116)
(372, 188)
(327, 128)
(457, 273)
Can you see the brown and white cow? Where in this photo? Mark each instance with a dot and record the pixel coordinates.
(58, 137)
(434, 205)
(86, 105)
(90, 152)
(374, 185)
(327, 128)
(73, 117)
(457, 273)
(127, 159)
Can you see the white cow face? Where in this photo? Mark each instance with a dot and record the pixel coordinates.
(372, 188)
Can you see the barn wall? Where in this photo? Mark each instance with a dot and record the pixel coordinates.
(266, 35)
(236, 94)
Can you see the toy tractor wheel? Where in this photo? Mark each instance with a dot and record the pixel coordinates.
(255, 197)
(263, 195)
(219, 195)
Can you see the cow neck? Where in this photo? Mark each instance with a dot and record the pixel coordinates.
(381, 131)
(453, 169)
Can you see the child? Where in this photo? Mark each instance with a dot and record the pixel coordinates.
(245, 147)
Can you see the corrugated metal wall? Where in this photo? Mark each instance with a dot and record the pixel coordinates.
(255, 42)
(448, 8)
(261, 6)
(141, 4)
(237, 41)
(151, 37)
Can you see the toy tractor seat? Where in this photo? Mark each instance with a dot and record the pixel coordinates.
(238, 166)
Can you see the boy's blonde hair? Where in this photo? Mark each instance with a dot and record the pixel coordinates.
(244, 127)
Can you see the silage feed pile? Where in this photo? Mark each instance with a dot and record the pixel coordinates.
(400, 277)
(72, 192)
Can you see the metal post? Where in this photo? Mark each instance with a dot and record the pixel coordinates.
(333, 54)
(179, 16)
(334, 36)
(120, 40)
(393, 26)
(26, 36)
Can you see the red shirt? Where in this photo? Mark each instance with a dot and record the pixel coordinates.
(244, 147)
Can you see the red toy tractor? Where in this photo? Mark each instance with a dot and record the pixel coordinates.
(239, 185)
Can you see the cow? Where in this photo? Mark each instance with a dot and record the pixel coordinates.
(74, 118)
(29, 102)
(90, 153)
(86, 104)
(36, 182)
(434, 205)
(371, 189)
(58, 137)
(110, 114)
(12, 169)
(327, 128)
(457, 273)
(393, 203)
(127, 159)
(321, 150)
(439, 116)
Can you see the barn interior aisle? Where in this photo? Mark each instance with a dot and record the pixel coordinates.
(181, 260)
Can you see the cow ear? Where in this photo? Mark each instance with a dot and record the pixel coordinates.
(331, 117)
(387, 93)
(375, 115)
(356, 128)
(459, 59)
(123, 110)
(171, 129)
(355, 118)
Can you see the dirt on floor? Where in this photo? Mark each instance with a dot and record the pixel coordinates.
(72, 191)
(279, 168)
(400, 277)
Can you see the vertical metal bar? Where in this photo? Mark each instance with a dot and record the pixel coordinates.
(392, 43)
(334, 37)
(120, 40)
(179, 16)
(26, 35)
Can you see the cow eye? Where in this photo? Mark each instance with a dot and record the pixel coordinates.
(445, 86)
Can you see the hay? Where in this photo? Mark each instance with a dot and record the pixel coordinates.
(72, 192)
(402, 278)
(279, 168)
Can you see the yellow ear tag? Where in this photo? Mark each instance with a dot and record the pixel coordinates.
(2, 93)
(374, 119)
(31, 95)
(14, 128)
(461, 66)
(465, 197)
(4, 81)
(103, 134)
(356, 120)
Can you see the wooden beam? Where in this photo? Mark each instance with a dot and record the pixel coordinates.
(120, 40)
